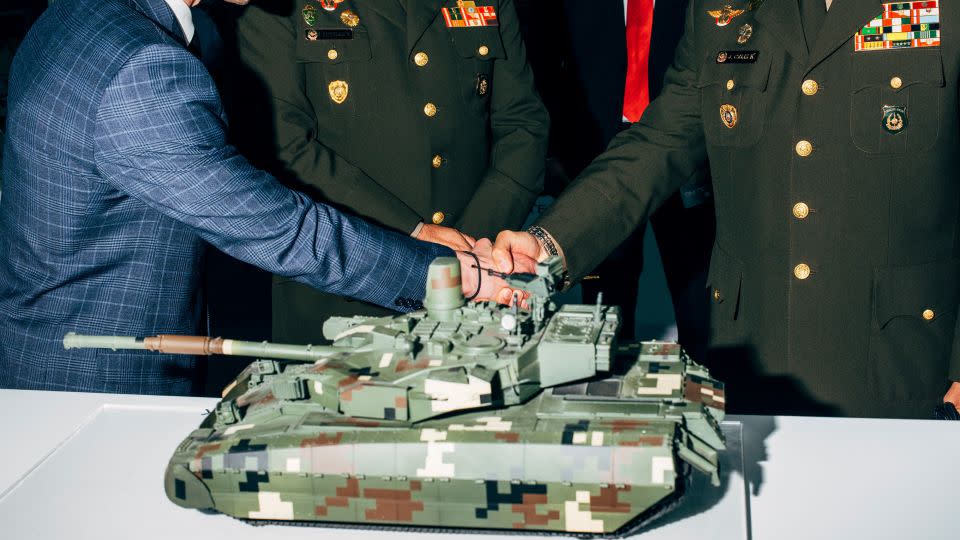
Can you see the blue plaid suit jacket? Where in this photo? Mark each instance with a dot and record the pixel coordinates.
(116, 173)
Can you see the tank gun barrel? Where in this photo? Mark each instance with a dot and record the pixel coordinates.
(200, 346)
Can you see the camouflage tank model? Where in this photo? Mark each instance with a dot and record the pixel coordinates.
(453, 417)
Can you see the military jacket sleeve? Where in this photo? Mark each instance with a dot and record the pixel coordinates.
(610, 199)
(520, 125)
(267, 45)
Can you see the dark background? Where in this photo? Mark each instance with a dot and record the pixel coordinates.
(238, 296)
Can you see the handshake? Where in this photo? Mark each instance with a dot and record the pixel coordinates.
(513, 252)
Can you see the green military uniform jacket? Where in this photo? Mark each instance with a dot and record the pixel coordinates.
(379, 107)
(836, 263)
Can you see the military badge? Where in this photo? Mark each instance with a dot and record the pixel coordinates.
(330, 5)
(744, 34)
(894, 119)
(309, 15)
(902, 25)
(728, 115)
(338, 91)
(469, 15)
(311, 34)
(724, 15)
(483, 84)
(349, 18)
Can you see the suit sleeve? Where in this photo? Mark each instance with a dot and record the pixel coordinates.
(267, 46)
(160, 139)
(520, 126)
(640, 169)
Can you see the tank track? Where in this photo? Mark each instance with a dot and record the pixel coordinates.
(636, 525)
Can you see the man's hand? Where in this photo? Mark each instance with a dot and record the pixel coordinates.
(491, 287)
(517, 252)
(446, 236)
(953, 395)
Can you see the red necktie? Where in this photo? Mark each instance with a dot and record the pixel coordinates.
(636, 92)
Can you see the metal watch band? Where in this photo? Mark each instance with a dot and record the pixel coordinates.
(544, 239)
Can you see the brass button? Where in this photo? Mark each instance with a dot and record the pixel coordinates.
(717, 296)
(430, 110)
(801, 271)
(438, 217)
(896, 83)
(928, 314)
(801, 210)
(483, 50)
(810, 87)
(437, 161)
(730, 84)
(332, 54)
(421, 59)
(804, 148)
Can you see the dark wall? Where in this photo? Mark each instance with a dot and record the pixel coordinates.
(16, 16)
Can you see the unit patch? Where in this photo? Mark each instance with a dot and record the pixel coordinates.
(902, 25)
(469, 14)
(894, 118)
(309, 14)
(737, 57)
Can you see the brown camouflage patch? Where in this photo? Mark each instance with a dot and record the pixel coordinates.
(508, 436)
(404, 364)
(392, 505)
(607, 501)
(693, 390)
(342, 499)
(646, 440)
(446, 280)
(619, 426)
(400, 402)
(322, 439)
(197, 459)
(529, 510)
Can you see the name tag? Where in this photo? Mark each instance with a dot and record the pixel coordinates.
(328, 33)
(737, 57)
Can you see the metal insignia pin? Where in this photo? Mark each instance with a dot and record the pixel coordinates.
(338, 91)
(894, 119)
(724, 15)
(330, 5)
(728, 115)
(744, 34)
(311, 34)
(309, 15)
(483, 85)
(349, 18)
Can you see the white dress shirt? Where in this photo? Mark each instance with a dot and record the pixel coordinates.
(182, 12)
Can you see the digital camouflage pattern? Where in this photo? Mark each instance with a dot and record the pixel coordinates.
(456, 416)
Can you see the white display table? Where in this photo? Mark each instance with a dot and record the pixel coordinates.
(91, 466)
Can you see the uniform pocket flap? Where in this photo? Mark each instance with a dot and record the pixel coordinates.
(334, 46)
(924, 292)
(753, 74)
(482, 43)
(897, 70)
(723, 282)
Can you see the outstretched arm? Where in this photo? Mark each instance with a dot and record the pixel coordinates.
(160, 139)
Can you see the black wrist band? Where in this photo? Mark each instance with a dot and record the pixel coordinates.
(479, 275)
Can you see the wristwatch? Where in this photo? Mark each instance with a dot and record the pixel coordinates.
(548, 245)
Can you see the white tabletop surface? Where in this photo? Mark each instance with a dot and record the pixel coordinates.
(91, 466)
